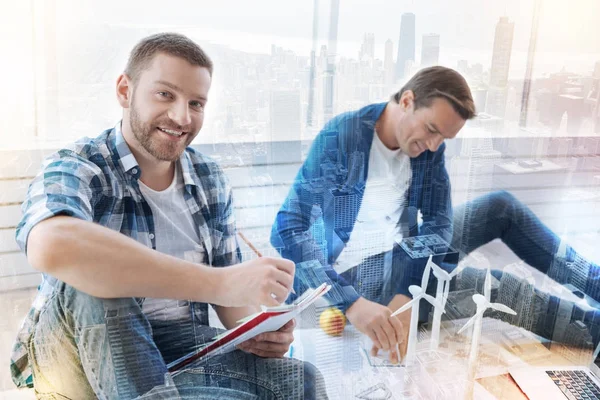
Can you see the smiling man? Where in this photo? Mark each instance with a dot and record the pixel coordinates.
(367, 177)
(128, 229)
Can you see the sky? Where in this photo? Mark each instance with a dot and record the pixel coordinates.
(568, 35)
(461, 23)
(568, 32)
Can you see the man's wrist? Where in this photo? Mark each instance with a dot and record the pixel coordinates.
(206, 284)
(350, 309)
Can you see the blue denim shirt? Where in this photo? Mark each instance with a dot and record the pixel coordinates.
(339, 161)
(96, 180)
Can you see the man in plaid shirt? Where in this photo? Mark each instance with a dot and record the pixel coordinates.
(127, 228)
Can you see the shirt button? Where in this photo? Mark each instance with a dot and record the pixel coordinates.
(151, 236)
(134, 171)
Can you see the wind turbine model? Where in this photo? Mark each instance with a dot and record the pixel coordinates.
(441, 295)
(418, 293)
(483, 303)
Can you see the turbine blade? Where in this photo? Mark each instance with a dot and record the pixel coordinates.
(426, 272)
(406, 306)
(487, 290)
(439, 273)
(503, 308)
(446, 292)
(434, 301)
(470, 322)
(457, 270)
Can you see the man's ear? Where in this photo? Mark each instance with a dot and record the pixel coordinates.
(124, 90)
(407, 100)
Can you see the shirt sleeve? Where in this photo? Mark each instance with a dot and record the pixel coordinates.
(291, 235)
(65, 186)
(227, 252)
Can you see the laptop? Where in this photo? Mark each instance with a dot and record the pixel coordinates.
(545, 383)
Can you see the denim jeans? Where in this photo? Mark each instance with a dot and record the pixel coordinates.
(86, 347)
(499, 215)
(496, 215)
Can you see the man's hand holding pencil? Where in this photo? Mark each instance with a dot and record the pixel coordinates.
(263, 281)
(255, 250)
(270, 344)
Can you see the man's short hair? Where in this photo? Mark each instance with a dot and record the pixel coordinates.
(173, 44)
(434, 82)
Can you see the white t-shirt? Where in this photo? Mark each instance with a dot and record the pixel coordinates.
(176, 235)
(376, 227)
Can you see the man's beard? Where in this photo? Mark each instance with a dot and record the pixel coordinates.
(146, 136)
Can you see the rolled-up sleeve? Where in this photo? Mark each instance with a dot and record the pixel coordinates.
(65, 186)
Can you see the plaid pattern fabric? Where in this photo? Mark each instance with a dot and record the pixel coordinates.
(346, 140)
(97, 180)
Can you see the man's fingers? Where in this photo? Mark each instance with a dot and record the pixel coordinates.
(374, 351)
(269, 300)
(390, 333)
(394, 354)
(275, 337)
(270, 347)
(245, 346)
(266, 346)
(374, 339)
(402, 348)
(267, 354)
(398, 329)
(281, 292)
(382, 337)
(283, 278)
(289, 326)
(284, 265)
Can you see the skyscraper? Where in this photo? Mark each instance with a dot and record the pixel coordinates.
(406, 43)
(388, 62)
(530, 58)
(524, 306)
(503, 39)
(479, 160)
(331, 55)
(502, 51)
(367, 48)
(313, 66)
(579, 343)
(508, 294)
(317, 232)
(430, 50)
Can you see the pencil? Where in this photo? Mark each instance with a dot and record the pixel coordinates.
(254, 249)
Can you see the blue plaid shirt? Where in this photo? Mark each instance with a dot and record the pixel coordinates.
(346, 140)
(97, 180)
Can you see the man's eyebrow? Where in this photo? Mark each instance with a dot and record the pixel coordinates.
(178, 89)
(435, 128)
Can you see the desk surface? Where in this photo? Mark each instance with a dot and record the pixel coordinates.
(350, 371)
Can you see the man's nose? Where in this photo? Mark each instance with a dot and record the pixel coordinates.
(180, 114)
(434, 143)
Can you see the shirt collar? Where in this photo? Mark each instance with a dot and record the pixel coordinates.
(124, 154)
(130, 164)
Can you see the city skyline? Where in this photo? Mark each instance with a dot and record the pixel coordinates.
(378, 16)
(243, 80)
